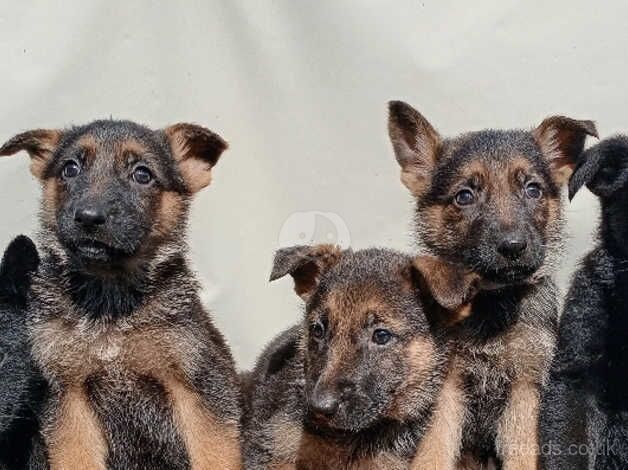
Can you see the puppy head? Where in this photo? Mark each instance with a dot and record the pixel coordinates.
(489, 199)
(114, 191)
(19, 262)
(369, 352)
(604, 170)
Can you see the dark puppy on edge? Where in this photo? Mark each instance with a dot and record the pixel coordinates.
(584, 412)
(491, 201)
(352, 386)
(20, 384)
(139, 376)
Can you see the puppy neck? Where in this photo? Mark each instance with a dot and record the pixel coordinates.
(113, 294)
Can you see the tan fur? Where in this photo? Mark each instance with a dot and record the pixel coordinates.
(420, 357)
(47, 143)
(440, 447)
(66, 349)
(170, 212)
(211, 444)
(319, 454)
(76, 441)
(196, 173)
(287, 435)
(517, 440)
(555, 136)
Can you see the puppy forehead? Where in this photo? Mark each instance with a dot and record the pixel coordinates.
(489, 154)
(114, 137)
(357, 306)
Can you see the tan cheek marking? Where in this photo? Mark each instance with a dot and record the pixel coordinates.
(420, 359)
(76, 440)
(170, 212)
(211, 444)
(440, 446)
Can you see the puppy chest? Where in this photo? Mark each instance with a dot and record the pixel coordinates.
(73, 353)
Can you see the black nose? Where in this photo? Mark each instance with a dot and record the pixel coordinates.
(324, 402)
(90, 217)
(512, 247)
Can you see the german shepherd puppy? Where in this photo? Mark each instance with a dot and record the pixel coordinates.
(20, 384)
(584, 413)
(353, 384)
(139, 376)
(491, 201)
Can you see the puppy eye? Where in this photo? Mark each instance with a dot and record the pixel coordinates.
(381, 336)
(142, 175)
(533, 190)
(464, 197)
(71, 169)
(317, 330)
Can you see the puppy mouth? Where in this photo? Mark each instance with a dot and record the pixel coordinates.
(93, 250)
(519, 274)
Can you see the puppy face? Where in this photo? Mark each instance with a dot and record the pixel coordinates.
(489, 199)
(115, 190)
(604, 170)
(369, 353)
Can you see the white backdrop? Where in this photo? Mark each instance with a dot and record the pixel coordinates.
(299, 89)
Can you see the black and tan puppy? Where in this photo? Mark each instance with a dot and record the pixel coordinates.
(20, 384)
(139, 376)
(353, 385)
(491, 201)
(584, 414)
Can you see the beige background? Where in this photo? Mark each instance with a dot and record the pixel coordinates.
(299, 89)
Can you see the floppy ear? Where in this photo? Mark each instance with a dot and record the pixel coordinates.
(601, 167)
(197, 151)
(452, 286)
(561, 140)
(19, 262)
(305, 264)
(415, 143)
(40, 145)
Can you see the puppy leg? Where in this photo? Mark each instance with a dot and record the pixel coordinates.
(440, 447)
(211, 443)
(517, 429)
(75, 439)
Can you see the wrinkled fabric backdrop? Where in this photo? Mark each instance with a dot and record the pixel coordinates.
(299, 89)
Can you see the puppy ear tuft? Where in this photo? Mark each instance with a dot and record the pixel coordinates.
(196, 150)
(40, 145)
(305, 264)
(415, 143)
(561, 140)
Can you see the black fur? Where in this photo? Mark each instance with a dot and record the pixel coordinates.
(584, 418)
(21, 386)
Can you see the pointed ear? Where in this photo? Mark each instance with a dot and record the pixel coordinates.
(197, 151)
(561, 140)
(415, 143)
(601, 168)
(40, 145)
(452, 286)
(19, 262)
(305, 264)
